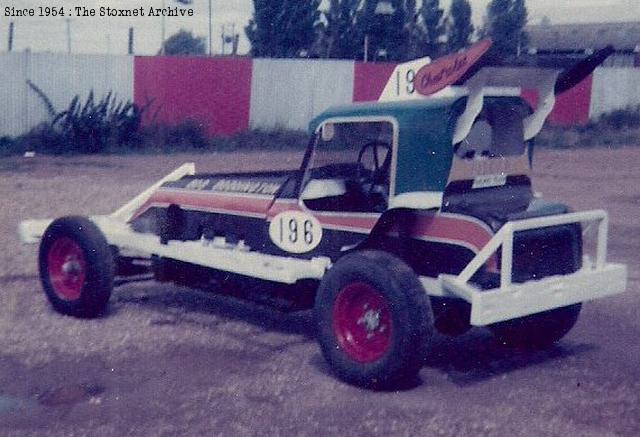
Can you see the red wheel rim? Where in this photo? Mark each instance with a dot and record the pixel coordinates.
(362, 322)
(66, 267)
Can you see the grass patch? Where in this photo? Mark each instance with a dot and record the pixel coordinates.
(613, 130)
(186, 137)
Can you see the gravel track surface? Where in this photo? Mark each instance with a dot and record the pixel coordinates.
(166, 360)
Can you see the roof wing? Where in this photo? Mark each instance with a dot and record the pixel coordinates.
(573, 76)
(549, 76)
(421, 77)
(527, 71)
(474, 70)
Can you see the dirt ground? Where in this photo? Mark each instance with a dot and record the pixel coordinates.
(171, 361)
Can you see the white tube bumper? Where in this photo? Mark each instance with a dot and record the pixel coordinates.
(519, 300)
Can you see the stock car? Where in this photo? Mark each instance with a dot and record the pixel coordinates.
(409, 215)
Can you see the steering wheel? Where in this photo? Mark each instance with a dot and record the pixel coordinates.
(380, 169)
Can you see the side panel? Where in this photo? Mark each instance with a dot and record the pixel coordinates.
(425, 152)
(444, 241)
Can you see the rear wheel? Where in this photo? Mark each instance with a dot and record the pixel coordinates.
(537, 331)
(373, 320)
(76, 267)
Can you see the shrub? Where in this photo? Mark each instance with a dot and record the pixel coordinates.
(89, 127)
(9, 147)
(621, 118)
(614, 129)
(44, 139)
(188, 135)
(263, 139)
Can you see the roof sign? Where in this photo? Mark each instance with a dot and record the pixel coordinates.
(449, 69)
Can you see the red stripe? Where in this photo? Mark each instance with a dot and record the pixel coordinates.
(209, 200)
(452, 228)
(441, 227)
(446, 228)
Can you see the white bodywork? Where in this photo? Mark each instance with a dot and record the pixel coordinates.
(321, 188)
(487, 306)
(417, 200)
(215, 254)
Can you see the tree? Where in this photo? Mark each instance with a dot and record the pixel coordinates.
(340, 35)
(432, 17)
(383, 23)
(505, 25)
(184, 43)
(283, 28)
(393, 29)
(414, 31)
(459, 28)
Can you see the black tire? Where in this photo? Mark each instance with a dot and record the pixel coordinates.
(451, 316)
(385, 358)
(76, 267)
(537, 331)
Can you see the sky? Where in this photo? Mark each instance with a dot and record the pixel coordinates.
(110, 35)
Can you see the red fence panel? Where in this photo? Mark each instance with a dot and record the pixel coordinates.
(572, 107)
(369, 80)
(215, 92)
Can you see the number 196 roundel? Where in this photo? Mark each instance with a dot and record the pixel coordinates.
(295, 231)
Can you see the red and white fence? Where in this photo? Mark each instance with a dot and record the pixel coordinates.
(228, 95)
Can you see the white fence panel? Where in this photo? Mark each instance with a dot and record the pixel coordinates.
(288, 93)
(13, 93)
(614, 88)
(61, 78)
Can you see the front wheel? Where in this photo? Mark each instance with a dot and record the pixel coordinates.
(537, 331)
(76, 267)
(373, 320)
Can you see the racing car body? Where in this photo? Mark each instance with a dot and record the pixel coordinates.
(405, 216)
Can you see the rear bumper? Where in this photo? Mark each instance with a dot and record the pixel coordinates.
(519, 300)
(510, 300)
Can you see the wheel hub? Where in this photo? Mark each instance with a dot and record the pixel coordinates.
(66, 267)
(362, 322)
(371, 321)
(71, 267)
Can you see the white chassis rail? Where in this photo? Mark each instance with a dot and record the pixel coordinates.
(506, 302)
